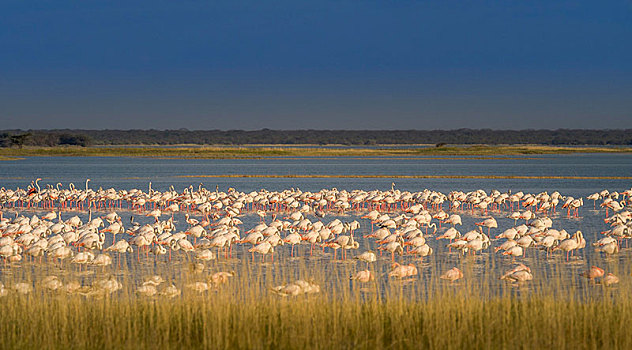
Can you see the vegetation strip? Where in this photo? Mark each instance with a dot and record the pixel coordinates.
(423, 158)
(315, 137)
(300, 176)
(271, 152)
(59, 322)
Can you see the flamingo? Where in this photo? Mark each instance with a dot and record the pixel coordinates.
(452, 275)
(453, 220)
(363, 276)
(156, 213)
(333, 245)
(140, 242)
(593, 272)
(197, 231)
(610, 279)
(51, 283)
(221, 277)
(191, 221)
(519, 274)
(119, 247)
(312, 237)
(50, 216)
(520, 267)
(567, 245)
(403, 271)
(489, 223)
(183, 244)
(115, 228)
(293, 239)
(102, 260)
(575, 205)
(422, 251)
(594, 197)
(35, 251)
(62, 253)
(112, 217)
(158, 249)
(82, 258)
(609, 248)
(9, 250)
(393, 247)
(368, 257)
(548, 242)
(515, 251)
(450, 234)
(263, 249)
(204, 255)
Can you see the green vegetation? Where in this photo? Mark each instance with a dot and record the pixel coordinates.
(19, 139)
(262, 152)
(43, 138)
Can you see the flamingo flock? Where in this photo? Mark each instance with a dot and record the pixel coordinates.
(206, 225)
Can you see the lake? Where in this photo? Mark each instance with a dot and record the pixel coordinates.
(128, 173)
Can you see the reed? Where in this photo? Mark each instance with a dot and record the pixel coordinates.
(424, 312)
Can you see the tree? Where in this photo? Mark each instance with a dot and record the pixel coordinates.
(74, 140)
(20, 139)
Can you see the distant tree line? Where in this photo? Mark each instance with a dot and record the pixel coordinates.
(50, 138)
(84, 138)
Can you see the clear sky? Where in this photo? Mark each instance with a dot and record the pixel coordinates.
(315, 64)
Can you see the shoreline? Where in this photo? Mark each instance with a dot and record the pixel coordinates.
(249, 152)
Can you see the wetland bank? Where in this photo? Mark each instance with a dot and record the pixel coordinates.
(225, 152)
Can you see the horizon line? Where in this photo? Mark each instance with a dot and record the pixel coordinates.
(309, 129)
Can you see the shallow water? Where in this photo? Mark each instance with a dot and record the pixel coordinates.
(486, 267)
(127, 173)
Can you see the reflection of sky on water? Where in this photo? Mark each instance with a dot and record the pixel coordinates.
(121, 172)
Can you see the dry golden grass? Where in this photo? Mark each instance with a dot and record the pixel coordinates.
(375, 176)
(264, 152)
(548, 312)
(215, 321)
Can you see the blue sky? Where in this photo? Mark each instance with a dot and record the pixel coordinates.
(315, 64)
